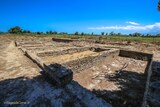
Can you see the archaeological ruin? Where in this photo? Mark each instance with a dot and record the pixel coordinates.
(105, 71)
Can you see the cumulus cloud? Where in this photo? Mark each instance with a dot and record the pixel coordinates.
(132, 23)
(129, 27)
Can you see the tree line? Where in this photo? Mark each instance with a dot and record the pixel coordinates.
(19, 30)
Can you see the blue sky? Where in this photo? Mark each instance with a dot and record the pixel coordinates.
(125, 16)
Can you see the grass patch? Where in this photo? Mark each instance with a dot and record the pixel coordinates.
(144, 39)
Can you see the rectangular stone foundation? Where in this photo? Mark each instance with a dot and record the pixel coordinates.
(78, 59)
(133, 81)
(98, 55)
(87, 62)
(55, 71)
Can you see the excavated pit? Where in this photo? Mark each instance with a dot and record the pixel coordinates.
(118, 81)
(78, 59)
(120, 77)
(68, 57)
(69, 54)
(122, 81)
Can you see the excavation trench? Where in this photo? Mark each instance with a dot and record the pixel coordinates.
(119, 77)
(78, 59)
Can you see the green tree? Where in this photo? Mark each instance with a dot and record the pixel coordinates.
(15, 29)
(111, 33)
(47, 32)
(26, 31)
(148, 35)
(76, 33)
(102, 33)
(1, 32)
(158, 35)
(54, 32)
(82, 33)
(51, 32)
(118, 34)
(92, 34)
(39, 33)
(136, 34)
(159, 5)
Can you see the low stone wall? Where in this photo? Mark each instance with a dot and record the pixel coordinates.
(35, 59)
(70, 51)
(54, 72)
(64, 40)
(153, 96)
(27, 43)
(148, 71)
(87, 62)
(63, 74)
(67, 51)
(136, 55)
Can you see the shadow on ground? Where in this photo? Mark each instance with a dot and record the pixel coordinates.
(153, 97)
(19, 91)
(37, 92)
(132, 86)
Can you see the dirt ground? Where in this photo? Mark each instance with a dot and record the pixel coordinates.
(15, 63)
(68, 57)
(120, 81)
(22, 85)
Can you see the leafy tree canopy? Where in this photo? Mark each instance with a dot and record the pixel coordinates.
(15, 29)
(26, 31)
(159, 5)
(76, 33)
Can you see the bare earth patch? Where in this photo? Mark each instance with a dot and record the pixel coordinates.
(68, 57)
(116, 80)
(21, 84)
(119, 81)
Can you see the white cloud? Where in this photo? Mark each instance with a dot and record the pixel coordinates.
(129, 27)
(132, 23)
